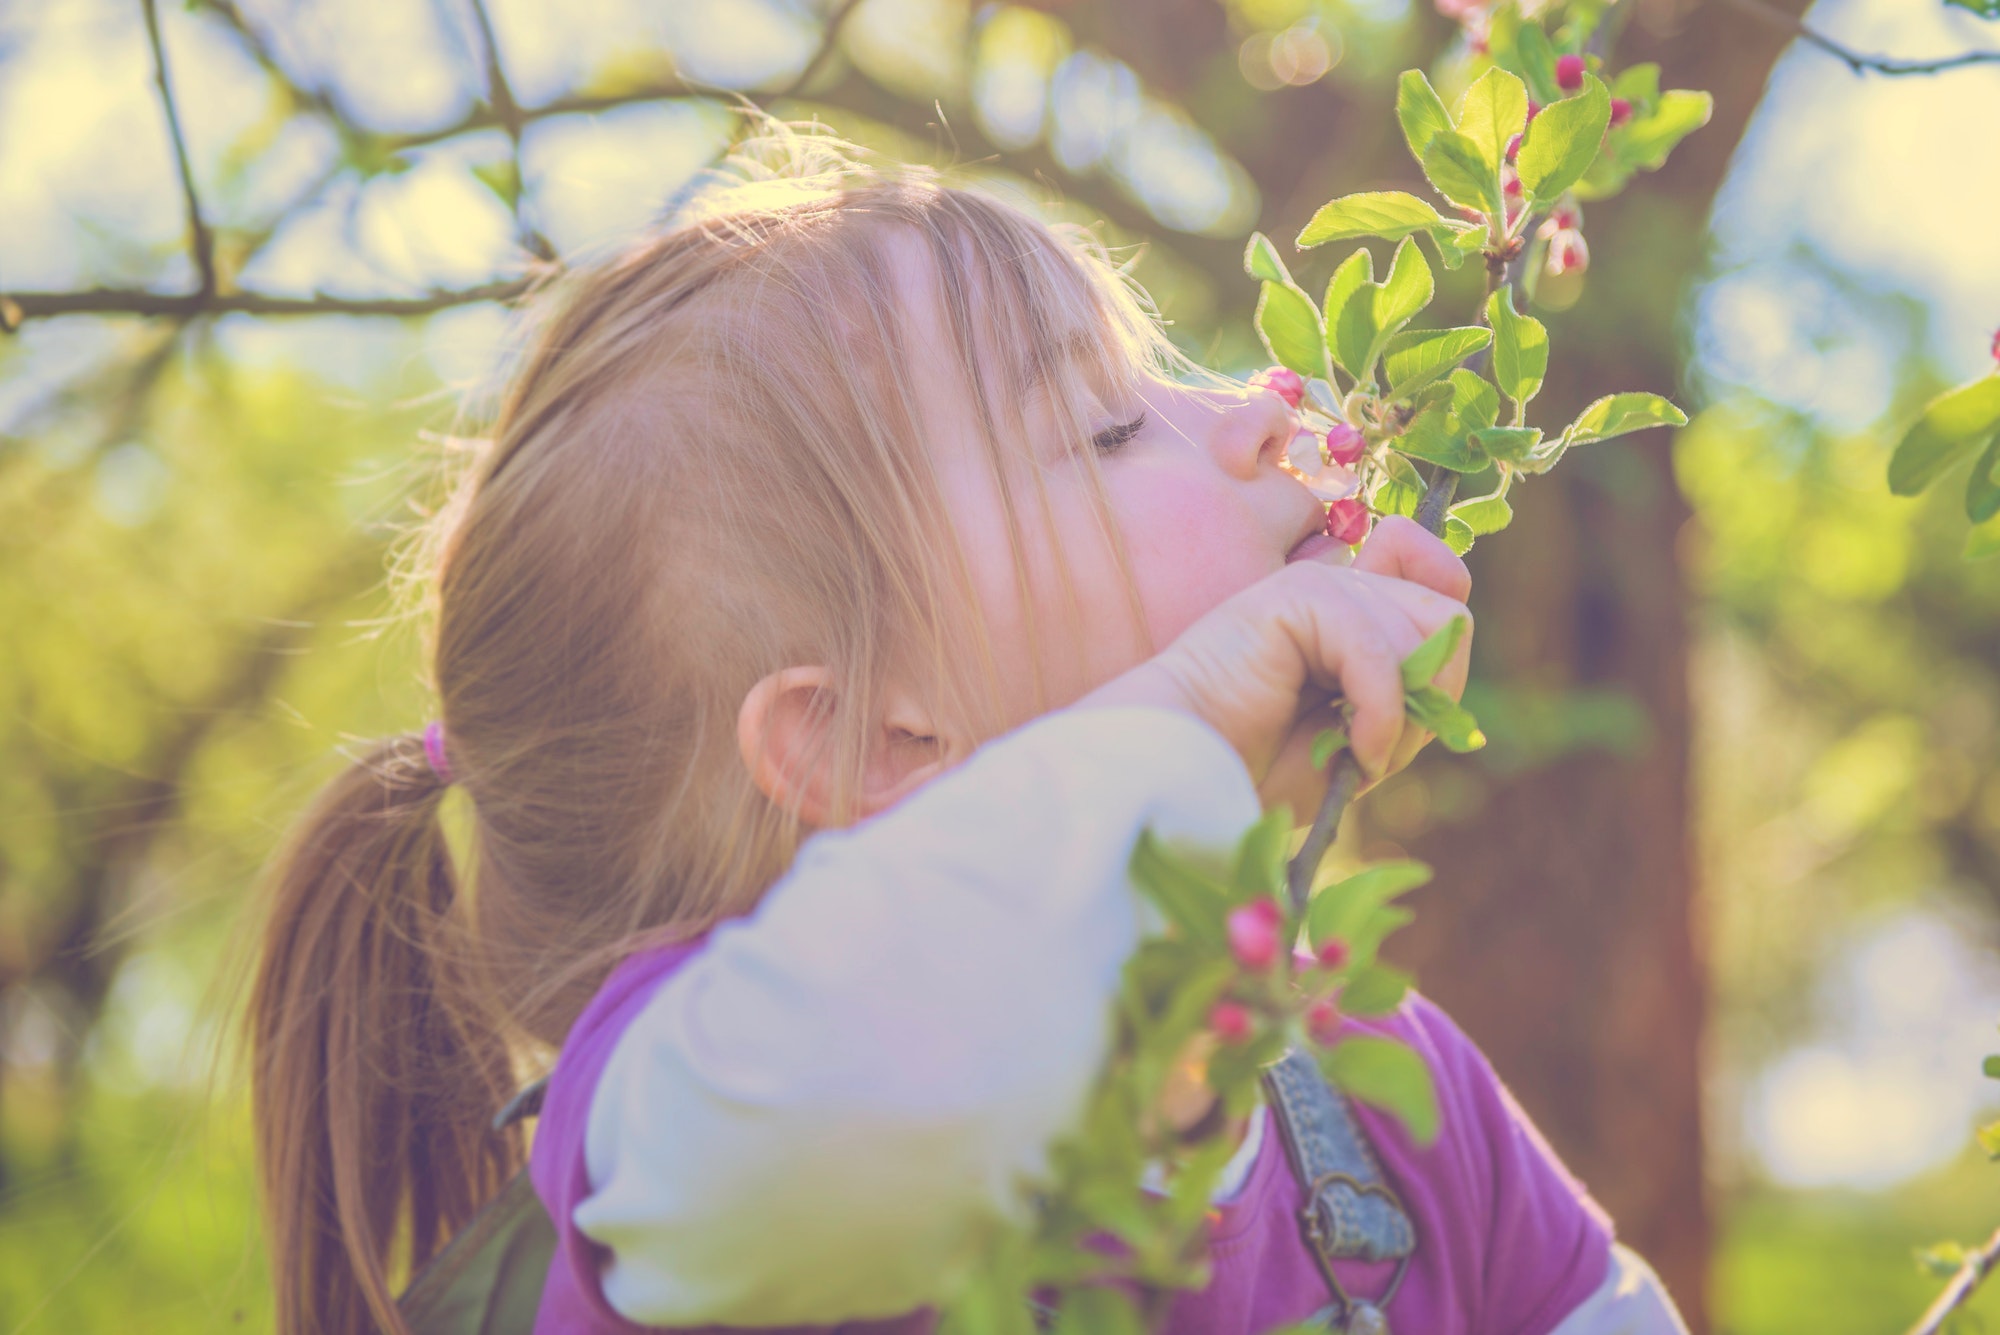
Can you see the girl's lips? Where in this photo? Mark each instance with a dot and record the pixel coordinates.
(1312, 545)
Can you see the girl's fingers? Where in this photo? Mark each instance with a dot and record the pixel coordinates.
(1399, 548)
(1356, 651)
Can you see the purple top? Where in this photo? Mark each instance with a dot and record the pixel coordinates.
(1507, 1241)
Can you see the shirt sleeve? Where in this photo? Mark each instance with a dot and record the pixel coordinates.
(821, 1116)
(1630, 1301)
(1539, 1243)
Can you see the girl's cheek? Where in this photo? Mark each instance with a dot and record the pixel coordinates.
(1192, 546)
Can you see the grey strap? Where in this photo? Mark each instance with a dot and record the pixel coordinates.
(1351, 1212)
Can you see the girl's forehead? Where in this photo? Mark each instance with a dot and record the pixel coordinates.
(1021, 336)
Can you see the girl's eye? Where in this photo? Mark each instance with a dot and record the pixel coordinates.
(1109, 440)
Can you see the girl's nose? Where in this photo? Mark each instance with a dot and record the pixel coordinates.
(1254, 429)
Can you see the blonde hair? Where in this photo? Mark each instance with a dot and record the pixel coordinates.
(710, 467)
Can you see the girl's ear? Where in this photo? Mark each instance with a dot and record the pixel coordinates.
(782, 734)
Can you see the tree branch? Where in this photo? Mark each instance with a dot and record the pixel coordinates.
(488, 117)
(1978, 1265)
(1775, 17)
(19, 306)
(499, 110)
(200, 240)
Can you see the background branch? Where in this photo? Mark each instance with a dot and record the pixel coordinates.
(1770, 14)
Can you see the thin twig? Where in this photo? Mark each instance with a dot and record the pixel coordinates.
(500, 98)
(829, 39)
(1343, 781)
(1854, 60)
(1436, 502)
(200, 240)
(1977, 1266)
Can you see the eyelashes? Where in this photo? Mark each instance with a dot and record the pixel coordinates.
(1112, 438)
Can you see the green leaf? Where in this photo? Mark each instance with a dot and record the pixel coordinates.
(1436, 436)
(1988, 1137)
(1509, 444)
(1458, 242)
(1458, 535)
(1983, 541)
(1098, 1309)
(1986, 9)
(1344, 907)
(1429, 658)
(1457, 167)
(1260, 260)
(1617, 414)
(1538, 63)
(1405, 292)
(1400, 490)
(1260, 856)
(1325, 743)
(1488, 514)
(1495, 109)
(1414, 359)
(1389, 1076)
(1942, 1260)
(1563, 141)
(1990, 1068)
(1350, 312)
(1420, 111)
(1183, 893)
(1982, 489)
(1390, 214)
(1439, 713)
(1290, 328)
(1638, 84)
(1953, 424)
(1375, 990)
(1520, 350)
(1474, 400)
(1646, 141)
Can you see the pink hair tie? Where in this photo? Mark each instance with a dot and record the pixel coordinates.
(434, 750)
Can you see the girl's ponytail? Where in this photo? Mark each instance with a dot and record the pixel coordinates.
(374, 1069)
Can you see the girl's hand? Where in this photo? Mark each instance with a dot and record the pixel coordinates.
(1266, 666)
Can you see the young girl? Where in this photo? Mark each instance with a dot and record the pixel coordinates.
(854, 574)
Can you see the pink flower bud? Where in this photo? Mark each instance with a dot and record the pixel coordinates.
(1345, 445)
(1621, 111)
(1563, 219)
(1996, 345)
(1569, 73)
(1230, 1022)
(1513, 149)
(1333, 954)
(1347, 521)
(1534, 108)
(1568, 252)
(1323, 1022)
(1513, 186)
(1282, 381)
(1253, 934)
